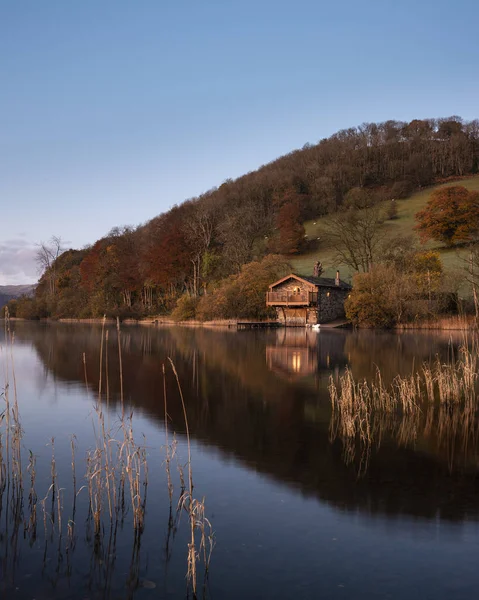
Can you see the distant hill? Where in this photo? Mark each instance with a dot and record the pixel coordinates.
(9, 292)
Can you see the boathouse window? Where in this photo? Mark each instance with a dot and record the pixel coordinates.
(296, 290)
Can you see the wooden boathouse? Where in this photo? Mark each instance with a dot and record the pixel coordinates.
(301, 300)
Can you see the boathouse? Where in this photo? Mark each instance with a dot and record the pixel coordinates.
(303, 300)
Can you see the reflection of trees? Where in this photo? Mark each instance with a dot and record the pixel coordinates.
(281, 428)
(395, 354)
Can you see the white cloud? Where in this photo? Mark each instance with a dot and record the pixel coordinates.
(17, 262)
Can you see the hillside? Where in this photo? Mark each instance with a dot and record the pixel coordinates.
(403, 225)
(10, 292)
(193, 248)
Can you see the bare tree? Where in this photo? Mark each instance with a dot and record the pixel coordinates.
(356, 236)
(199, 229)
(46, 258)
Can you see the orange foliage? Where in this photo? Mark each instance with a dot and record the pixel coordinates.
(451, 215)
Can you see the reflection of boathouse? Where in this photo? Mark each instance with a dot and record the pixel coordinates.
(301, 300)
(303, 352)
(295, 352)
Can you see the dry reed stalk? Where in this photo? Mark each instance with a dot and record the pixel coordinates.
(54, 476)
(106, 475)
(32, 497)
(452, 323)
(167, 445)
(441, 397)
(195, 510)
(120, 362)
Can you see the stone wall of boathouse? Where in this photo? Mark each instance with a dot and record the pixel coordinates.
(331, 304)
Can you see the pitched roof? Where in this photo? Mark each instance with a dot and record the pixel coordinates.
(328, 282)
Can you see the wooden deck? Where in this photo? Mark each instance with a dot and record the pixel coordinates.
(245, 325)
(288, 299)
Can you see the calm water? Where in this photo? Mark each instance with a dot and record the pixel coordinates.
(292, 518)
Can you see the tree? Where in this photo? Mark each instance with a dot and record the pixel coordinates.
(358, 198)
(356, 236)
(199, 228)
(451, 215)
(401, 189)
(427, 269)
(405, 286)
(243, 295)
(398, 252)
(369, 303)
(290, 229)
(216, 234)
(185, 308)
(384, 297)
(46, 258)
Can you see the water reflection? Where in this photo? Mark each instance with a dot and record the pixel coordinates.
(262, 398)
(295, 353)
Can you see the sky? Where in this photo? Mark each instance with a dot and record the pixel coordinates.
(112, 111)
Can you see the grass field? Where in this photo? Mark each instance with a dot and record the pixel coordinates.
(453, 259)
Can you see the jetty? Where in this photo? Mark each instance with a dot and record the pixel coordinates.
(245, 325)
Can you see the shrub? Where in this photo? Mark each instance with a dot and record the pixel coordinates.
(386, 296)
(368, 304)
(185, 308)
(242, 296)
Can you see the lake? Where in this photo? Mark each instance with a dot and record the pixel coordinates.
(293, 514)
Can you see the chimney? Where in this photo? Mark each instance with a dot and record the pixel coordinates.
(337, 281)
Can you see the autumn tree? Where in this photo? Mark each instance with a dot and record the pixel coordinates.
(291, 232)
(369, 304)
(123, 262)
(427, 270)
(243, 295)
(450, 216)
(398, 289)
(166, 257)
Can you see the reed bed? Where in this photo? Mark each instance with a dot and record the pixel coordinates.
(112, 479)
(459, 322)
(439, 399)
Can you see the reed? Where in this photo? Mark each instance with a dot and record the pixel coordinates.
(439, 398)
(449, 323)
(200, 526)
(114, 479)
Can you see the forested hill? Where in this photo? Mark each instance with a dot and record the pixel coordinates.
(9, 292)
(192, 247)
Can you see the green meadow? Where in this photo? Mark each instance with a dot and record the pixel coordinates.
(453, 259)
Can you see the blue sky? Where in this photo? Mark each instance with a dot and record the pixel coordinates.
(114, 110)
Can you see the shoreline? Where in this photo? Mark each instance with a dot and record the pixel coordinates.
(453, 323)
